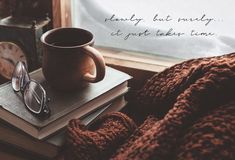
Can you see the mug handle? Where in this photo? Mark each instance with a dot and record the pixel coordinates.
(99, 63)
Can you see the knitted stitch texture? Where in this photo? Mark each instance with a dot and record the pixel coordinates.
(160, 92)
(211, 137)
(101, 139)
(183, 97)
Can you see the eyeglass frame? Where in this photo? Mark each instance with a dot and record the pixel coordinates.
(44, 109)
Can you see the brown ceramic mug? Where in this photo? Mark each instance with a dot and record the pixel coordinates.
(69, 60)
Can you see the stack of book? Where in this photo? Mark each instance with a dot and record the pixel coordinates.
(22, 131)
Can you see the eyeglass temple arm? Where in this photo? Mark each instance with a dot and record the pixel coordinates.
(39, 101)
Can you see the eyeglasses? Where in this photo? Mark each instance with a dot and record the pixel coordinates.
(34, 95)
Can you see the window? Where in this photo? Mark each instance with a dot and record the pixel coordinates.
(181, 29)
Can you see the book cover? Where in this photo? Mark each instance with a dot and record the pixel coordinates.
(48, 148)
(13, 110)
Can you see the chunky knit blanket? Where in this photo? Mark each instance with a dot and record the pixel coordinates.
(188, 111)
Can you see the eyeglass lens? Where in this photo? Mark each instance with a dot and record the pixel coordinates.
(33, 96)
(20, 77)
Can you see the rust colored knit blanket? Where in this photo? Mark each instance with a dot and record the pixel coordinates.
(193, 118)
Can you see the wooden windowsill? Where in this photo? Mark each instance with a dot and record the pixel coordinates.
(139, 61)
(140, 66)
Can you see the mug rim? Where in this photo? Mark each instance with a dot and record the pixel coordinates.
(44, 35)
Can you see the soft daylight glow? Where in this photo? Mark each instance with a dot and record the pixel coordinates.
(182, 28)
